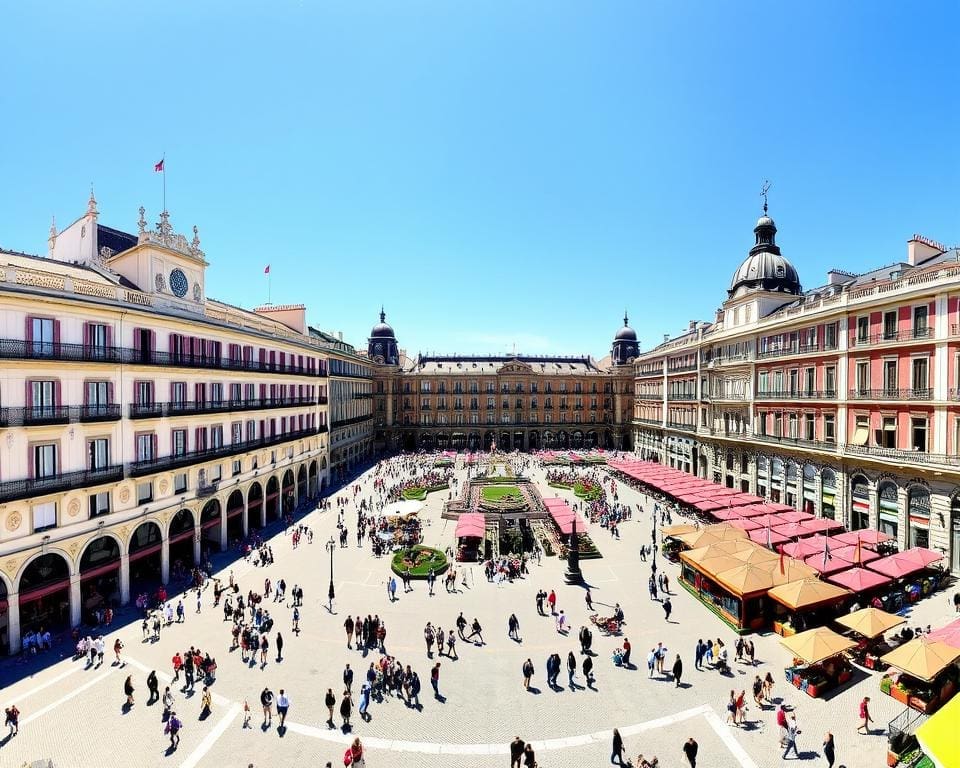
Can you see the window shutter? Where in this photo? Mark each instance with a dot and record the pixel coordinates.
(87, 335)
(263, 391)
(153, 439)
(31, 462)
(110, 392)
(263, 358)
(136, 393)
(136, 339)
(109, 336)
(56, 392)
(28, 394)
(56, 333)
(28, 330)
(283, 360)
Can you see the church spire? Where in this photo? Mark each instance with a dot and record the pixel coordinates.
(92, 203)
(383, 315)
(625, 321)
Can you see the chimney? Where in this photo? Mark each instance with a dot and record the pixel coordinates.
(920, 248)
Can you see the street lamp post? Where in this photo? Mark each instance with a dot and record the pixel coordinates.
(330, 594)
(573, 574)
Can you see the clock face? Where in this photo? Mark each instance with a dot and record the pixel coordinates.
(178, 283)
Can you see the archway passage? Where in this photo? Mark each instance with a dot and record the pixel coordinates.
(289, 500)
(44, 590)
(302, 494)
(210, 527)
(533, 440)
(99, 577)
(458, 441)
(234, 517)
(254, 507)
(577, 439)
(312, 488)
(443, 441)
(590, 439)
(181, 535)
(563, 440)
(473, 441)
(145, 558)
(273, 500)
(426, 442)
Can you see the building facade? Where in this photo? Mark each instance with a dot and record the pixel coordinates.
(513, 402)
(142, 423)
(841, 400)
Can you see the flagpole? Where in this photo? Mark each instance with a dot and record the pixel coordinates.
(163, 169)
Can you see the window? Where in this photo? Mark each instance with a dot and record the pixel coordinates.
(919, 322)
(98, 453)
(99, 504)
(97, 393)
(863, 376)
(144, 493)
(97, 339)
(178, 392)
(920, 382)
(762, 383)
(45, 460)
(829, 428)
(861, 432)
(216, 393)
(145, 445)
(890, 378)
(236, 433)
(42, 332)
(43, 397)
(216, 472)
(793, 426)
(863, 329)
(830, 336)
(237, 467)
(143, 392)
(809, 380)
(809, 429)
(830, 380)
(794, 381)
(888, 434)
(918, 430)
(44, 515)
(180, 482)
(251, 430)
(216, 436)
(889, 326)
(178, 442)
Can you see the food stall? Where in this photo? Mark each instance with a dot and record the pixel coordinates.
(671, 544)
(870, 623)
(804, 598)
(938, 736)
(470, 533)
(928, 674)
(819, 664)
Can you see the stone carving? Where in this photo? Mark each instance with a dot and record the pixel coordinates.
(196, 292)
(124, 495)
(73, 508)
(13, 520)
(165, 236)
(159, 282)
(163, 485)
(123, 532)
(11, 566)
(73, 548)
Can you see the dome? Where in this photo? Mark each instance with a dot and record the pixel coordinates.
(626, 333)
(765, 221)
(766, 271)
(382, 330)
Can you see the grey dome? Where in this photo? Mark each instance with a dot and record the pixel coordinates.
(382, 330)
(765, 268)
(626, 333)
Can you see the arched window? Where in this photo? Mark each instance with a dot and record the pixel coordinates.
(889, 512)
(918, 521)
(859, 503)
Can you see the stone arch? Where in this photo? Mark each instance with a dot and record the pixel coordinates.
(312, 479)
(288, 493)
(100, 578)
(272, 500)
(576, 439)
(236, 517)
(181, 531)
(323, 462)
(145, 535)
(828, 477)
(88, 548)
(37, 556)
(918, 515)
(302, 489)
(590, 439)
(145, 555)
(254, 505)
(45, 598)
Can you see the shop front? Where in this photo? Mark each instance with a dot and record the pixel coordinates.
(99, 577)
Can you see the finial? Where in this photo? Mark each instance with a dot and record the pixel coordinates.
(53, 227)
(763, 193)
(196, 238)
(383, 315)
(625, 323)
(142, 222)
(92, 203)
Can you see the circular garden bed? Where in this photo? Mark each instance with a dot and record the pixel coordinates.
(419, 560)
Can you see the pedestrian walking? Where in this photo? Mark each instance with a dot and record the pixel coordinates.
(529, 757)
(283, 706)
(348, 678)
(348, 627)
(865, 718)
(792, 731)
(279, 647)
(513, 627)
(516, 752)
(167, 702)
(677, 671)
(476, 631)
(128, 690)
(346, 707)
(246, 714)
(588, 599)
(571, 669)
(12, 719)
(588, 670)
(153, 685)
(527, 674)
(172, 728)
(117, 647)
(435, 679)
(667, 608)
(616, 754)
(690, 749)
(829, 749)
(552, 601)
(206, 703)
(266, 701)
(331, 701)
(627, 648)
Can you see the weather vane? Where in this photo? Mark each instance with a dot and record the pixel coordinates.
(763, 193)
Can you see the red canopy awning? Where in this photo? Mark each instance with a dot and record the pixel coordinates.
(471, 524)
(759, 535)
(865, 536)
(850, 553)
(894, 567)
(919, 555)
(795, 517)
(744, 524)
(859, 579)
(821, 524)
(754, 510)
(812, 545)
(793, 530)
(554, 503)
(833, 564)
(708, 505)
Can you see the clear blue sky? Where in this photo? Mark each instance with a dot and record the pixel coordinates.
(492, 172)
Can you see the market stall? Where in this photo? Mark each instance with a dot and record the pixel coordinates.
(819, 664)
(870, 623)
(928, 674)
(938, 736)
(671, 545)
(470, 533)
(801, 603)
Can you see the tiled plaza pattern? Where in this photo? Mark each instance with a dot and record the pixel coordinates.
(72, 715)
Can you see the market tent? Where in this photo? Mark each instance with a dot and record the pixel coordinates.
(817, 644)
(949, 634)
(715, 549)
(712, 534)
(565, 524)
(793, 530)
(754, 510)
(811, 545)
(708, 505)
(938, 735)
(832, 565)
(765, 536)
(744, 524)
(859, 579)
(770, 520)
(806, 593)
(778, 507)
(746, 579)
(755, 554)
(821, 524)
(865, 536)
(850, 553)
(718, 563)
(922, 658)
(870, 622)
(725, 514)
(402, 508)
(471, 524)
(675, 530)
(919, 555)
(795, 517)
(893, 567)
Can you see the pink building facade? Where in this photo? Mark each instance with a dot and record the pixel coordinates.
(842, 400)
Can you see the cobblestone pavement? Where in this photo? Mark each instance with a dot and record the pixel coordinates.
(73, 715)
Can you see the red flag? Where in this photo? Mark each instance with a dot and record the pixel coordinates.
(266, 271)
(158, 167)
(782, 571)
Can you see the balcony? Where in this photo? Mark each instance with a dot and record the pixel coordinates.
(91, 413)
(899, 455)
(655, 422)
(17, 349)
(13, 490)
(809, 394)
(889, 336)
(193, 407)
(799, 442)
(354, 420)
(166, 463)
(203, 491)
(649, 373)
(680, 396)
(45, 415)
(891, 394)
(678, 425)
(682, 368)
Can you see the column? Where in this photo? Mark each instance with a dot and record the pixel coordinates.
(196, 544)
(903, 518)
(75, 598)
(124, 579)
(874, 519)
(223, 528)
(246, 520)
(165, 560)
(13, 622)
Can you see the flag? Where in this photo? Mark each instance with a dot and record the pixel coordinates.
(781, 560)
(266, 270)
(158, 167)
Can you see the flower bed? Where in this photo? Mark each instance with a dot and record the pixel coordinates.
(419, 493)
(588, 490)
(420, 560)
(507, 493)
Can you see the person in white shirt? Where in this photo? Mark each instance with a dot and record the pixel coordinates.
(283, 704)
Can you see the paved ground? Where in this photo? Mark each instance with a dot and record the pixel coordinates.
(72, 715)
